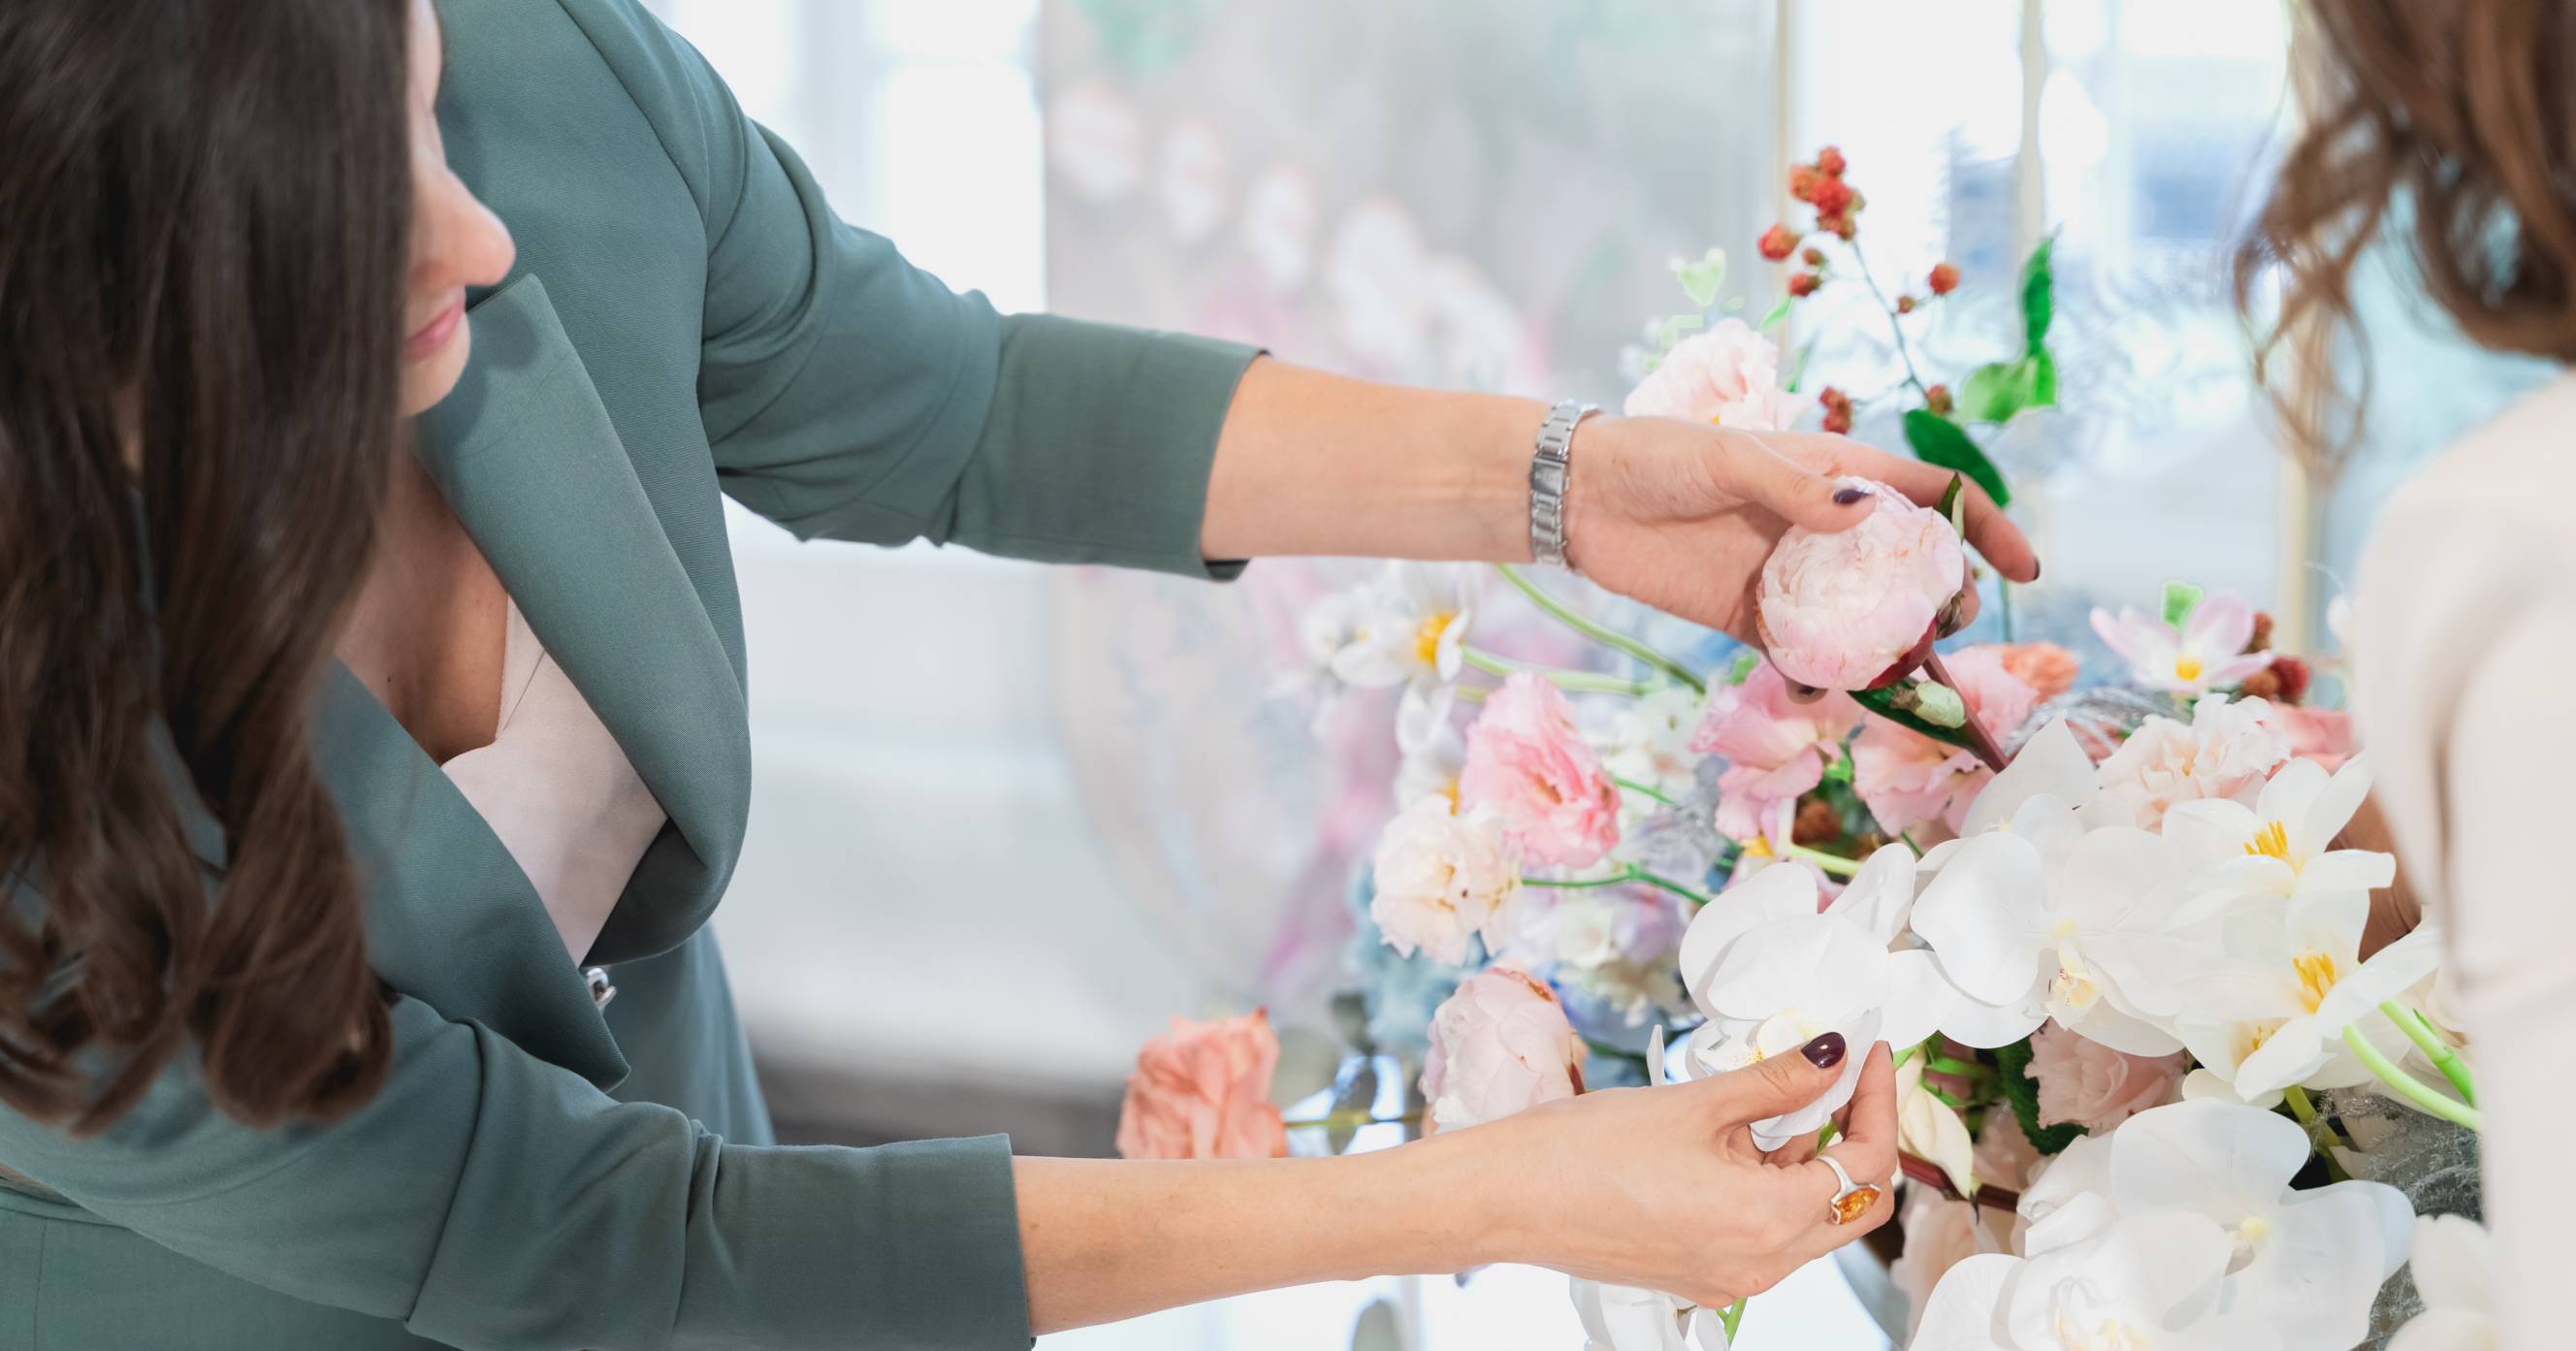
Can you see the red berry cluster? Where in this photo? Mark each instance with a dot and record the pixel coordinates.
(1837, 203)
(1837, 406)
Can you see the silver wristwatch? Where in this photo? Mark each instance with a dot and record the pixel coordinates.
(1550, 471)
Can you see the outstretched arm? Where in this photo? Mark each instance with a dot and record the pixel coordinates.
(1676, 514)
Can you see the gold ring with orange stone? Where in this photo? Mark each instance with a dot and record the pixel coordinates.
(1854, 1200)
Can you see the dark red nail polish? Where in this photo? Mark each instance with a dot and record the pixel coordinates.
(1825, 1051)
(1850, 495)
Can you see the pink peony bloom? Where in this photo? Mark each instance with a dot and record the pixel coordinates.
(1939, 1234)
(2227, 752)
(1906, 778)
(1729, 375)
(2205, 652)
(1202, 1091)
(1525, 760)
(2324, 735)
(2045, 667)
(1858, 608)
(1500, 1044)
(1775, 750)
(1440, 876)
(2085, 1083)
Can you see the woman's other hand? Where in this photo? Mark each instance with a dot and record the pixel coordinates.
(1682, 516)
(1664, 1187)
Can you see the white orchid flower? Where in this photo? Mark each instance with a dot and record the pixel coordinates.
(1772, 973)
(1628, 1318)
(2279, 847)
(2140, 1283)
(2453, 1256)
(1415, 635)
(2272, 1014)
(2045, 919)
(2205, 652)
(2048, 791)
(1931, 1129)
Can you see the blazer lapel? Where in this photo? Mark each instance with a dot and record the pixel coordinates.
(526, 455)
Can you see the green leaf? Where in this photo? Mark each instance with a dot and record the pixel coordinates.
(1772, 317)
(1700, 278)
(1992, 392)
(1883, 702)
(1950, 503)
(1798, 365)
(2038, 294)
(2023, 1093)
(1939, 441)
(2042, 389)
(2181, 598)
(1745, 661)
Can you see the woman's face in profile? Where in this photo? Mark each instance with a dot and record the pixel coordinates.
(455, 241)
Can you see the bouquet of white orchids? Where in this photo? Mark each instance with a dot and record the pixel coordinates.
(2147, 1039)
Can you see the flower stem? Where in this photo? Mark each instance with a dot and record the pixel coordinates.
(1615, 1052)
(1620, 878)
(1642, 789)
(1987, 748)
(1557, 610)
(1895, 325)
(1834, 865)
(2308, 1116)
(2434, 1048)
(1689, 893)
(2406, 1086)
(1733, 1317)
(1408, 1119)
(1584, 682)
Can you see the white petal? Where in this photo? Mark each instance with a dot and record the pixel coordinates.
(1628, 1318)
(1776, 1131)
(2052, 762)
(1822, 964)
(1655, 1071)
(1879, 896)
(2348, 870)
(2160, 1270)
(2121, 1031)
(2080, 1217)
(1963, 1311)
(2453, 1256)
(1422, 713)
(2388, 974)
(1982, 917)
(1773, 893)
(2204, 1085)
(2447, 1330)
(2314, 1273)
(2333, 806)
(1917, 998)
(2210, 830)
(2219, 1160)
(1970, 1022)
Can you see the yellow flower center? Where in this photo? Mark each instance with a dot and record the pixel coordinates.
(1449, 790)
(2272, 841)
(1426, 636)
(2188, 668)
(2316, 976)
(1758, 847)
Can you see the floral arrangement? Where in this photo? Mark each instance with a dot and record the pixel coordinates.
(2107, 919)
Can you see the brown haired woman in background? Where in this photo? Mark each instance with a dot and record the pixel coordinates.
(2449, 131)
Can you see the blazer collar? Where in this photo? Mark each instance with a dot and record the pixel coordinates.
(526, 456)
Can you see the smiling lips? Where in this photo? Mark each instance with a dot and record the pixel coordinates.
(432, 336)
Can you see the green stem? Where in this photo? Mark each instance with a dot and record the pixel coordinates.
(1617, 879)
(2434, 1048)
(1630, 873)
(1732, 1316)
(1895, 324)
(2308, 1116)
(1408, 1119)
(1825, 1137)
(1689, 893)
(2406, 1086)
(1616, 1052)
(1640, 788)
(1834, 865)
(1557, 610)
(1584, 682)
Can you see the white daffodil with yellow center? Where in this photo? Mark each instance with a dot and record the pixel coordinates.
(2272, 1012)
(1414, 634)
(2281, 846)
(1772, 973)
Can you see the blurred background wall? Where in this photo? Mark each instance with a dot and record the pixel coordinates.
(1007, 819)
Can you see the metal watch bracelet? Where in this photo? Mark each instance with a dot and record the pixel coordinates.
(1551, 474)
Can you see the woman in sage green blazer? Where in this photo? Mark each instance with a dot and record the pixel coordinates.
(524, 1163)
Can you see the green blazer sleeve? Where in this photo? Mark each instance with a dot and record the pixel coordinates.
(849, 394)
(491, 1200)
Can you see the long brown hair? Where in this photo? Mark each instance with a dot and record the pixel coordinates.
(2455, 119)
(204, 217)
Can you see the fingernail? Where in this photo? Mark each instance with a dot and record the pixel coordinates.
(1824, 1052)
(2034, 569)
(1850, 495)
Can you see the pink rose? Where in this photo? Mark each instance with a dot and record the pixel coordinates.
(1775, 750)
(1729, 375)
(1500, 1044)
(1906, 778)
(1939, 1234)
(2227, 752)
(2044, 667)
(1202, 1091)
(1525, 759)
(2324, 735)
(1859, 608)
(2085, 1083)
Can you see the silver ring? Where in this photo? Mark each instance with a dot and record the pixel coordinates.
(1853, 1200)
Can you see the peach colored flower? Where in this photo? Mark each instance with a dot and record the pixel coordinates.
(1775, 750)
(1499, 1045)
(2085, 1083)
(2227, 752)
(1441, 875)
(2045, 667)
(1858, 608)
(1202, 1091)
(1906, 778)
(1939, 1234)
(2324, 735)
(1526, 760)
(1729, 375)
